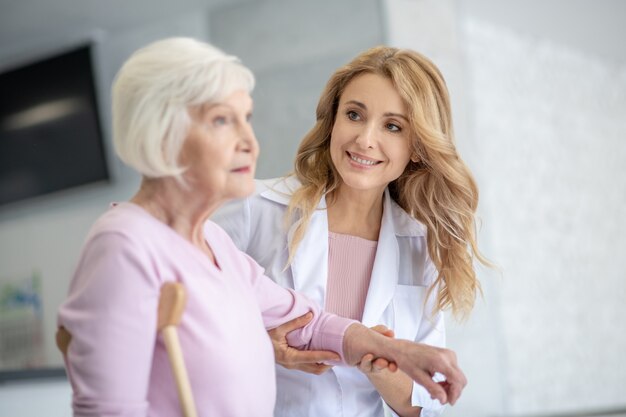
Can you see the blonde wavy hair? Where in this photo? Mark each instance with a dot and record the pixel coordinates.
(438, 190)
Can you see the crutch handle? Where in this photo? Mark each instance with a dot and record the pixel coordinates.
(171, 306)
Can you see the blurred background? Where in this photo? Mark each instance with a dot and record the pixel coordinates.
(539, 97)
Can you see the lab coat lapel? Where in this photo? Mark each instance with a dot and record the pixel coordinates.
(310, 263)
(385, 270)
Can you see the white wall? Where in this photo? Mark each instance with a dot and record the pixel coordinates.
(550, 125)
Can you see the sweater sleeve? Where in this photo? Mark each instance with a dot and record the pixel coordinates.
(279, 305)
(111, 314)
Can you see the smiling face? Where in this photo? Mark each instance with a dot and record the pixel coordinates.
(369, 143)
(220, 151)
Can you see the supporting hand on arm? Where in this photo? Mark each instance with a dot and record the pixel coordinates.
(310, 361)
(313, 361)
(419, 361)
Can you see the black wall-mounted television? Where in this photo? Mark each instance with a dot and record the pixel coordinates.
(50, 133)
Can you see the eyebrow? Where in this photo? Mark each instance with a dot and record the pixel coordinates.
(388, 114)
(209, 106)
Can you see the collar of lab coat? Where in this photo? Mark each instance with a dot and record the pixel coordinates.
(280, 191)
(310, 262)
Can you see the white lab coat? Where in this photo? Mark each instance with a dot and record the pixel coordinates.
(399, 283)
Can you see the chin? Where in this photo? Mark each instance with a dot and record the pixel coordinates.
(359, 183)
(243, 191)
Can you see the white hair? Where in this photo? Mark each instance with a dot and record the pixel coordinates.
(153, 91)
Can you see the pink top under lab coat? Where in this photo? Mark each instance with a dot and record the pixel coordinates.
(117, 363)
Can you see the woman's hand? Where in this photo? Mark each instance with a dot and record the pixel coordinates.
(417, 360)
(369, 363)
(310, 361)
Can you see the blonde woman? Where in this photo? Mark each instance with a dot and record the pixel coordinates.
(376, 224)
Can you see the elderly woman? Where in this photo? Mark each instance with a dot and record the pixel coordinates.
(181, 116)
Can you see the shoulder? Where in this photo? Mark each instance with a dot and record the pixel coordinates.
(124, 219)
(279, 190)
(126, 241)
(127, 225)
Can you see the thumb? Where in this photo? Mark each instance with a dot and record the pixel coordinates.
(384, 330)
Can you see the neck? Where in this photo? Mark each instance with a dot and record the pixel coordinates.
(183, 209)
(356, 213)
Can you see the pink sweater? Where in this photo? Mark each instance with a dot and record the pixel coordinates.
(117, 363)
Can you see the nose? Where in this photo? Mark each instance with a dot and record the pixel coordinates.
(247, 139)
(366, 137)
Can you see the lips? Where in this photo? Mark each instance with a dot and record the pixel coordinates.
(362, 160)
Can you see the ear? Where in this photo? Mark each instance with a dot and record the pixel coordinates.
(414, 158)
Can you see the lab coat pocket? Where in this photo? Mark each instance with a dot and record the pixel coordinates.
(408, 307)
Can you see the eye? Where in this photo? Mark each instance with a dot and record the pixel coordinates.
(352, 115)
(219, 121)
(393, 127)
(249, 117)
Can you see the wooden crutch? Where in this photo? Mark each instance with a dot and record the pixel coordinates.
(171, 306)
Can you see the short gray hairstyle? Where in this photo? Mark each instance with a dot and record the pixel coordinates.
(153, 91)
